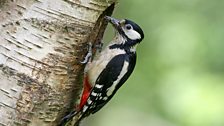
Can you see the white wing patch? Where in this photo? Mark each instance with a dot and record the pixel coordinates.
(132, 34)
(89, 101)
(99, 64)
(93, 94)
(123, 72)
(98, 86)
(85, 108)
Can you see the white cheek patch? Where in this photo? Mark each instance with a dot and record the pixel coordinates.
(132, 34)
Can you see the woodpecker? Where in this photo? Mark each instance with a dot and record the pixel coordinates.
(106, 73)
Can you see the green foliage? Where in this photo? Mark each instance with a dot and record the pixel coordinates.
(179, 77)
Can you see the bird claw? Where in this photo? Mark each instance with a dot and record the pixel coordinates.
(88, 56)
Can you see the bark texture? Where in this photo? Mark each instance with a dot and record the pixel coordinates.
(41, 44)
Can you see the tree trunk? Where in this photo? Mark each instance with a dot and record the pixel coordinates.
(41, 44)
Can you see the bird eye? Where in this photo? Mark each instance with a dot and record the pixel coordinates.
(128, 26)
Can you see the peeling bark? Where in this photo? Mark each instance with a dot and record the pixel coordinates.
(41, 44)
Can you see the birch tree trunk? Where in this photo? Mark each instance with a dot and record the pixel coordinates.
(41, 44)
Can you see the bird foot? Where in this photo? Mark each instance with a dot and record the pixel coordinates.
(88, 56)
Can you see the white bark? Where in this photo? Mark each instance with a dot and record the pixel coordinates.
(41, 44)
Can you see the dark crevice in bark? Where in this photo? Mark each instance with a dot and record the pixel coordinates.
(97, 33)
(95, 37)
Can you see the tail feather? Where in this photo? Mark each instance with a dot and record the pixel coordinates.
(67, 118)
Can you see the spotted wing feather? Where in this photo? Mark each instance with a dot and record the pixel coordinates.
(106, 79)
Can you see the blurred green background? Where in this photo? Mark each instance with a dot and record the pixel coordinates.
(179, 76)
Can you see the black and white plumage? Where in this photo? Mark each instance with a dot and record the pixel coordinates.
(110, 69)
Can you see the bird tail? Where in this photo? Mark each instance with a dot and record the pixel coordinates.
(68, 118)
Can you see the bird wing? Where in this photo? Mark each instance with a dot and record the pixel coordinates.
(110, 80)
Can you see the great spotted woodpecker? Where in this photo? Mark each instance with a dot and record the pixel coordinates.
(109, 70)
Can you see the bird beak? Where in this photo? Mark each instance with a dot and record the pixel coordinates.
(116, 23)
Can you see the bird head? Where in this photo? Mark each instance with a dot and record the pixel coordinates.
(131, 33)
